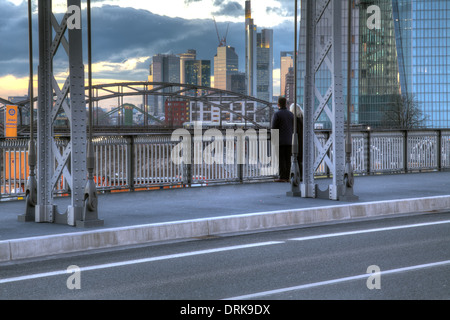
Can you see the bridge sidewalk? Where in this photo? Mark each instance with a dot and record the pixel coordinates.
(149, 216)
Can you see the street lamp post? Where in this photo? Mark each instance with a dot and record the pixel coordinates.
(295, 170)
(31, 188)
(90, 210)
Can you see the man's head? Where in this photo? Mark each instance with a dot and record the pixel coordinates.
(282, 102)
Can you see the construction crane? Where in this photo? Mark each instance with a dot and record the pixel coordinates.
(223, 41)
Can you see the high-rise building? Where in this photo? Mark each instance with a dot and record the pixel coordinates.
(264, 65)
(378, 84)
(286, 62)
(226, 63)
(289, 86)
(237, 83)
(423, 40)
(164, 68)
(250, 50)
(191, 54)
(198, 72)
(405, 54)
(258, 58)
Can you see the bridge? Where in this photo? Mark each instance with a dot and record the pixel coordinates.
(94, 176)
(224, 101)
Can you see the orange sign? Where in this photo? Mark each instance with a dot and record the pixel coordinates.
(11, 122)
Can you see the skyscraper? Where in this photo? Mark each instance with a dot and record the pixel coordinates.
(286, 62)
(378, 84)
(250, 51)
(258, 58)
(198, 72)
(406, 54)
(226, 63)
(164, 68)
(423, 41)
(191, 54)
(289, 86)
(264, 65)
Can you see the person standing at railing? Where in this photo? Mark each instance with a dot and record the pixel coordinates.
(283, 121)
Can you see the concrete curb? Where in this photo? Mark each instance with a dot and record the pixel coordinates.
(16, 249)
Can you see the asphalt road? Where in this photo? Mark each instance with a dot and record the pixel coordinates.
(394, 258)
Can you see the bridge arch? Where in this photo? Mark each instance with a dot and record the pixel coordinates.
(219, 98)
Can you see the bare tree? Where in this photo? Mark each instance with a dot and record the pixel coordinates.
(404, 113)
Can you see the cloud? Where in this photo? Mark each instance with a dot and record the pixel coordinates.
(231, 8)
(13, 39)
(17, 86)
(125, 39)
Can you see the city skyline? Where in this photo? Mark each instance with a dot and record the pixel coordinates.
(122, 50)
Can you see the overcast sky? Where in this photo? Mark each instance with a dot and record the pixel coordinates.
(126, 34)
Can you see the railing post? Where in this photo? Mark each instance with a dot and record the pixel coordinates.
(439, 150)
(241, 172)
(130, 163)
(187, 167)
(405, 151)
(369, 152)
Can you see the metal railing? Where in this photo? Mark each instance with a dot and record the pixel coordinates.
(144, 162)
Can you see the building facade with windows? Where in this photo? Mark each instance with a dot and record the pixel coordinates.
(164, 68)
(198, 72)
(258, 58)
(226, 63)
(406, 55)
(423, 43)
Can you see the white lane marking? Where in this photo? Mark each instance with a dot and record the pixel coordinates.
(339, 234)
(137, 261)
(335, 281)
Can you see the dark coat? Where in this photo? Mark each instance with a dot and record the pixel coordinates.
(283, 120)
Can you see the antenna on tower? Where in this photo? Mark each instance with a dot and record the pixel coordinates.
(223, 41)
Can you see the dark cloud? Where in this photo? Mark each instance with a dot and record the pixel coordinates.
(13, 38)
(231, 8)
(126, 33)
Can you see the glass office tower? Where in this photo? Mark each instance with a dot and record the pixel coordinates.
(226, 63)
(264, 65)
(407, 55)
(424, 40)
(164, 68)
(198, 72)
(378, 86)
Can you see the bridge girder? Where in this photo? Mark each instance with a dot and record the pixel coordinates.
(174, 90)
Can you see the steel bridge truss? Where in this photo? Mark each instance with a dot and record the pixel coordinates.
(324, 65)
(221, 99)
(70, 163)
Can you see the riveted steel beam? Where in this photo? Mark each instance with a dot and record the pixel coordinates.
(58, 161)
(323, 98)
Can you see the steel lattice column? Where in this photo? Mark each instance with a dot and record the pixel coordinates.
(323, 63)
(71, 162)
(44, 208)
